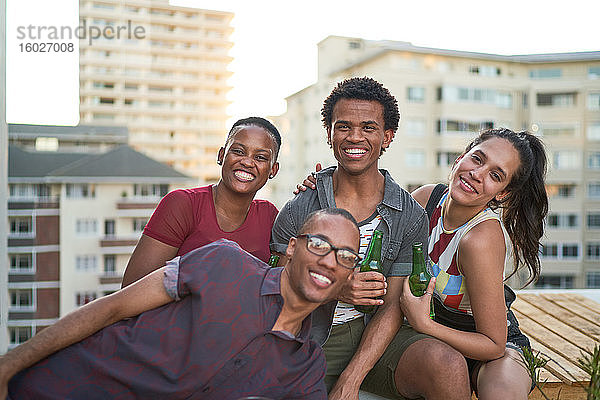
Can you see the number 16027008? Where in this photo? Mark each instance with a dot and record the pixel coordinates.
(46, 47)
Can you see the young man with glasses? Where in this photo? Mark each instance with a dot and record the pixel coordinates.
(215, 323)
(360, 117)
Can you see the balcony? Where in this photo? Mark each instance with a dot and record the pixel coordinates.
(31, 203)
(110, 278)
(136, 207)
(113, 241)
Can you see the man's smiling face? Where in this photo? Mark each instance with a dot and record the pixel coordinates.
(357, 134)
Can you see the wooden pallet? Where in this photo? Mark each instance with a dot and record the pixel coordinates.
(562, 327)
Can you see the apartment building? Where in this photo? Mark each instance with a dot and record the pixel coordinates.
(445, 96)
(160, 70)
(74, 219)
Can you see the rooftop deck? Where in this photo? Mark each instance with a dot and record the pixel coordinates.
(562, 326)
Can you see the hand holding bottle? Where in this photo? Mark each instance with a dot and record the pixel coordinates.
(416, 308)
(364, 288)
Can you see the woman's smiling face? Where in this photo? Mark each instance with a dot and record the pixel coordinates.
(248, 160)
(484, 172)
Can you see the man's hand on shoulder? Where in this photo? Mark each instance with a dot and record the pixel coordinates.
(310, 181)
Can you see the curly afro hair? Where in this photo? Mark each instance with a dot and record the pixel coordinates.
(364, 88)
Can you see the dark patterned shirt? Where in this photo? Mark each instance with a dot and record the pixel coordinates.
(214, 342)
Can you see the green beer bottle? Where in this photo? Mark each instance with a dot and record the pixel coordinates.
(273, 260)
(371, 262)
(420, 276)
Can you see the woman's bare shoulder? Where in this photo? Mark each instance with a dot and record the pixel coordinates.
(421, 194)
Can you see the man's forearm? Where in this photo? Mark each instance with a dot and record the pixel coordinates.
(70, 329)
(145, 294)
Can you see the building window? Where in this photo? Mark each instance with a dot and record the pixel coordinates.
(160, 89)
(593, 279)
(21, 226)
(86, 262)
(594, 190)
(560, 191)
(415, 158)
(86, 226)
(29, 191)
(82, 298)
(484, 70)
(557, 251)
(46, 144)
(555, 282)
(102, 116)
(21, 262)
(556, 99)
(563, 220)
(103, 85)
(415, 127)
(20, 334)
(139, 224)
(545, 73)
(593, 251)
(594, 160)
(570, 251)
(353, 44)
(550, 250)
(455, 126)
(109, 227)
(567, 159)
(103, 6)
(559, 131)
(148, 190)
(415, 94)
(593, 131)
(447, 158)
(80, 190)
(504, 100)
(593, 101)
(593, 72)
(110, 264)
(21, 299)
(454, 94)
(593, 220)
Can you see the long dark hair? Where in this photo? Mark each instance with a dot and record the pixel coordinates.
(526, 205)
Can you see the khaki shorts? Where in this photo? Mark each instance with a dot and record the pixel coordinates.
(342, 344)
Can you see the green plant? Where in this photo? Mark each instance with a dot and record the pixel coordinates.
(590, 363)
(533, 363)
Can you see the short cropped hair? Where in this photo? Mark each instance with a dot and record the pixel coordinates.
(260, 123)
(364, 88)
(310, 218)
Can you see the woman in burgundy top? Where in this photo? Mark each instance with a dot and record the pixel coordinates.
(189, 218)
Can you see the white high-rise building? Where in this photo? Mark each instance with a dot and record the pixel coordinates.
(164, 77)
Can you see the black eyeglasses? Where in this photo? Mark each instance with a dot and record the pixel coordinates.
(321, 247)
